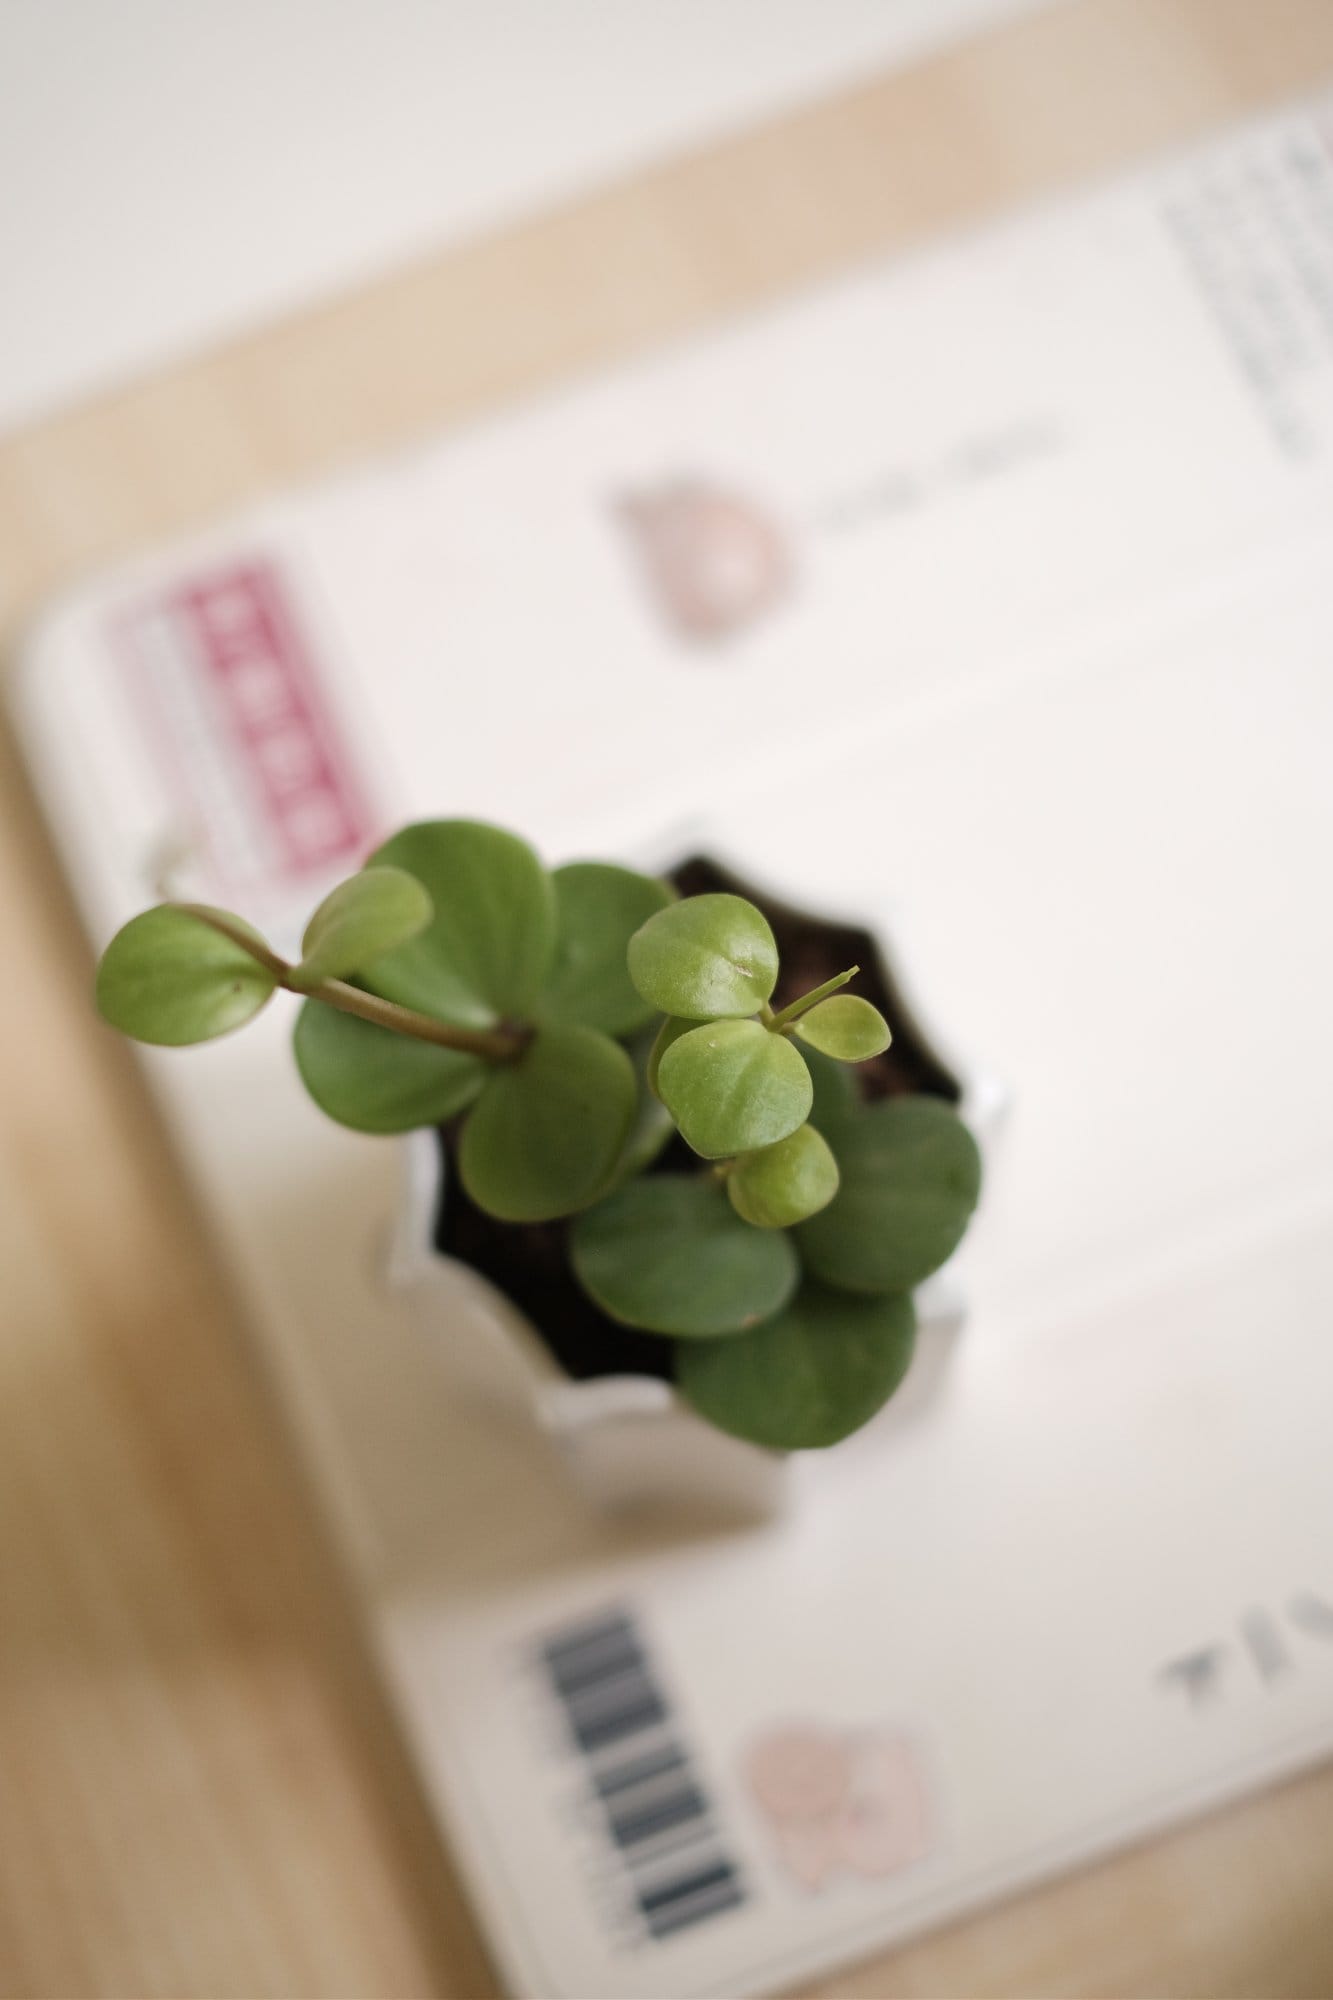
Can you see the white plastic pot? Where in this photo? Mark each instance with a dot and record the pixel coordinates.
(630, 1440)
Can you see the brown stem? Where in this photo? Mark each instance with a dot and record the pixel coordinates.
(239, 934)
(492, 1044)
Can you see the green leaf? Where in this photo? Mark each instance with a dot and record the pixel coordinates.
(375, 1080)
(359, 921)
(783, 1184)
(707, 958)
(670, 1031)
(548, 1129)
(807, 1378)
(836, 1098)
(667, 1254)
(653, 1125)
(599, 909)
(487, 950)
(911, 1174)
(168, 977)
(845, 1027)
(732, 1086)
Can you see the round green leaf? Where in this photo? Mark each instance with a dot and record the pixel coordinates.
(807, 1378)
(359, 921)
(548, 1129)
(733, 1086)
(168, 977)
(375, 1080)
(707, 958)
(783, 1184)
(666, 1254)
(670, 1031)
(911, 1174)
(599, 907)
(845, 1027)
(488, 948)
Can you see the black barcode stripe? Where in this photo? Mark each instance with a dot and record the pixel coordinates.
(597, 1732)
(613, 1688)
(631, 1828)
(626, 1776)
(657, 1813)
(590, 1629)
(588, 1672)
(653, 1900)
(722, 1891)
(664, 1846)
(586, 1664)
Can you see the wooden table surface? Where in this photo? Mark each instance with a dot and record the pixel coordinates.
(201, 1792)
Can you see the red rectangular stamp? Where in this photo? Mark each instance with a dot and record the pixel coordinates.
(232, 701)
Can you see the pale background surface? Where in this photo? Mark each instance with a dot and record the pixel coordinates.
(200, 1792)
(175, 170)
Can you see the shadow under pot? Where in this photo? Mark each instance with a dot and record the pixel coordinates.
(524, 1338)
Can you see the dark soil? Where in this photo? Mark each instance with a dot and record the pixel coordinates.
(530, 1263)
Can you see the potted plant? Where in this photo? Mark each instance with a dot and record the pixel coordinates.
(690, 1170)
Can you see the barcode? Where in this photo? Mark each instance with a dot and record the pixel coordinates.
(647, 1789)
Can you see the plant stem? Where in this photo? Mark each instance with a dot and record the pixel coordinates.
(240, 934)
(794, 1010)
(492, 1044)
(495, 1045)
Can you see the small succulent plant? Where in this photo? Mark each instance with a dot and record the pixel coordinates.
(598, 1049)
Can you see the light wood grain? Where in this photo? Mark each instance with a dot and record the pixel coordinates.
(200, 1791)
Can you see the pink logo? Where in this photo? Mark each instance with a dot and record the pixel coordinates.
(840, 1801)
(713, 560)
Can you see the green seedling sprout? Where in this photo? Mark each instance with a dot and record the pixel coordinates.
(564, 1026)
